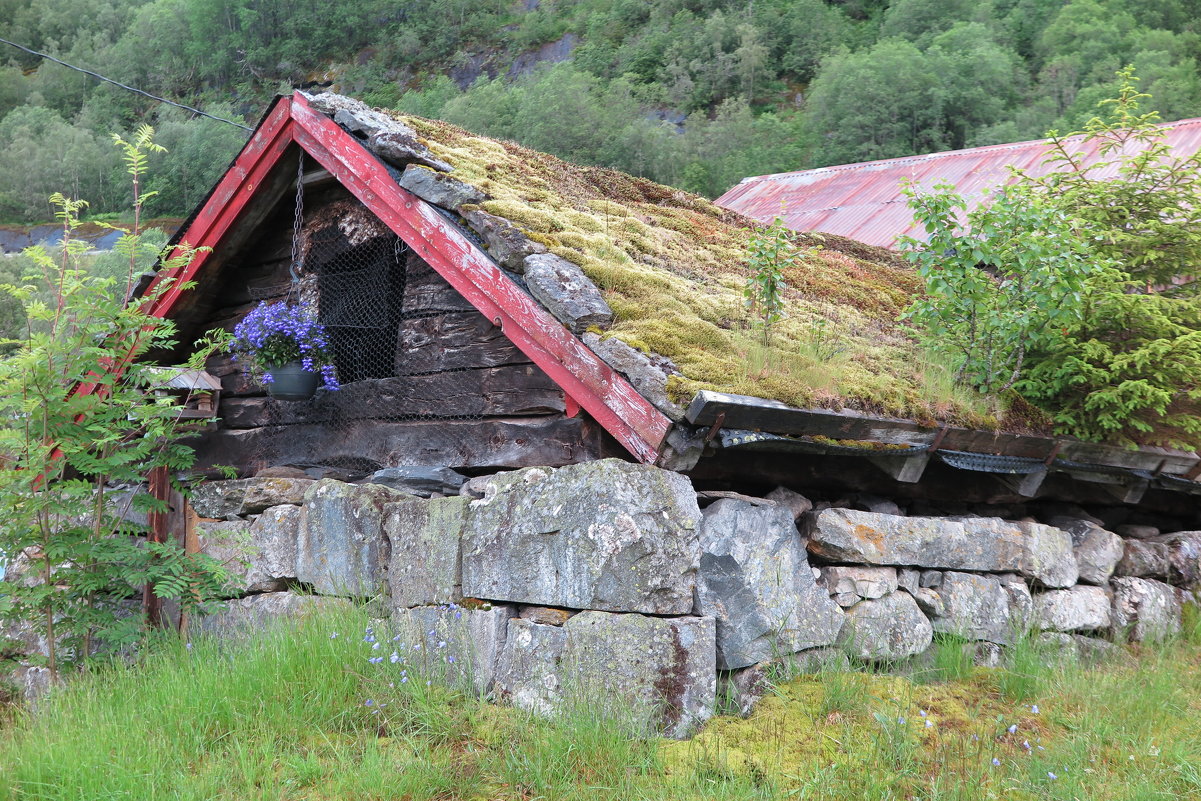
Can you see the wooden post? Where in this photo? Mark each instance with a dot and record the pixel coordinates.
(191, 545)
(160, 490)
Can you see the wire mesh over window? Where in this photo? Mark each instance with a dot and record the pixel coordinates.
(360, 291)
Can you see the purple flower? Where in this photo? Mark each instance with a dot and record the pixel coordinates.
(1034, 709)
(1051, 776)
(276, 333)
(394, 658)
(1012, 728)
(369, 702)
(375, 660)
(996, 763)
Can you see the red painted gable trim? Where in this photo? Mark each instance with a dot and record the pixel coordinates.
(586, 379)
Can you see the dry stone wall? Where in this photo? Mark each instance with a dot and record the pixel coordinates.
(621, 584)
(610, 580)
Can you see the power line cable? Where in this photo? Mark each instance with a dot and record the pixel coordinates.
(123, 86)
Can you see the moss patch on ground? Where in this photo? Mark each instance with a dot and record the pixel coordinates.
(672, 266)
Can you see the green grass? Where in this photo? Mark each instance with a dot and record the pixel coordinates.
(286, 716)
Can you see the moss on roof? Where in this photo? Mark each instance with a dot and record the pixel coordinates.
(672, 266)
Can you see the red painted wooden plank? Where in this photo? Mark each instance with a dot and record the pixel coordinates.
(606, 395)
(233, 193)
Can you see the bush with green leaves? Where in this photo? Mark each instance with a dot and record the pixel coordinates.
(1078, 288)
(78, 414)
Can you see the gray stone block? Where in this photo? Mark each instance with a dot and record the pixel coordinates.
(504, 241)
(439, 188)
(453, 645)
(260, 555)
(245, 616)
(605, 535)
(423, 481)
(888, 628)
(342, 549)
(247, 496)
(425, 537)
(1144, 609)
(1080, 608)
(756, 583)
(648, 373)
(566, 292)
(974, 607)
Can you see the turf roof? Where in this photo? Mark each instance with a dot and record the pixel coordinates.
(672, 266)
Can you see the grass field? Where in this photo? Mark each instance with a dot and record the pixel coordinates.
(303, 714)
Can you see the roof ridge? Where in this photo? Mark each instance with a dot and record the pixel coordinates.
(920, 157)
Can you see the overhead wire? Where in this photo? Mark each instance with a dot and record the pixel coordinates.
(135, 90)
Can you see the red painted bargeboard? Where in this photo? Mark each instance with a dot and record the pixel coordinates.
(586, 379)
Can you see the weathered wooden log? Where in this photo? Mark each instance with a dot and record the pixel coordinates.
(454, 341)
(512, 391)
(368, 445)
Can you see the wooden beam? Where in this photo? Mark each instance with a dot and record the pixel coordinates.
(1026, 485)
(906, 469)
(599, 390)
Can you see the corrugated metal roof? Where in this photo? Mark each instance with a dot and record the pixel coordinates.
(864, 202)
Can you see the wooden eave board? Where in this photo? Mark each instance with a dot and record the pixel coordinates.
(607, 396)
(757, 414)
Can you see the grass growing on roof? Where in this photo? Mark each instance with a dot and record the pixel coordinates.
(672, 266)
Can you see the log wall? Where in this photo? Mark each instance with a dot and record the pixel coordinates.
(453, 389)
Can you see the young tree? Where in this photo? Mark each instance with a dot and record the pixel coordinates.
(78, 412)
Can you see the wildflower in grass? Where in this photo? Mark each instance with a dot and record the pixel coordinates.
(1034, 709)
(450, 659)
(996, 763)
(369, 702)
(1051, 776)
(1012, 728)
(334, 636)
(922, 712)
(375, 660)
(929, 724)
(374, 646)
(394, 658)
(404, 679)
(369, 638)
(901, 720)
(441, 643)
(1026, 744)
(188, 646)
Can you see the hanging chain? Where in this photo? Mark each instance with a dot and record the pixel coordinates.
(297, 222)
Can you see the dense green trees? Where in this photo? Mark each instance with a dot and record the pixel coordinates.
(698, 93)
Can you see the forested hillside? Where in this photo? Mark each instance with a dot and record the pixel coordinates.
(695, 93)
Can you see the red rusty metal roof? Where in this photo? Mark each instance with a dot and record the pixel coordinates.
(864, 201)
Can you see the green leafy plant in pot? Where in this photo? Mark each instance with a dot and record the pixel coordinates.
(286, 349)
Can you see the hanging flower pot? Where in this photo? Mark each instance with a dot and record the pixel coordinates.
(291, 382)
(286, 349)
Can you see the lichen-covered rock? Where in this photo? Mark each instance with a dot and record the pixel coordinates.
(659, 669)
(546, 615)
(850, 585)
(978, 544)
(425, 540)
(562, 287)
(439, 188)
(1144, 609)
(247, 615)
(355, 115)
(756, 583)
(1184, 558)
(974, 607)
(260, 555)
(909, 580)
(888, 628)
(505, 241)
(342, 548)
(1097, 550)
(32, 683)
(423, 481)
(605, 535)
(1143, 559)
(1021, 602)
(647, 373)
(399, 146)
(246, 496)
(529, 673)
(1081, 608)
(455, 645)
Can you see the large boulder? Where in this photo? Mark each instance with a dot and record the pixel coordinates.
(562, 287)
(661, 670)
(260, 555)
(974, 607)
(245, 616)
(247, 496)
(886, 629)
(643, 671)
(424, 536)
(1097, 550)
(1080, 608)
(455, 645)
(605, 535)
(989, 545)
(757, 584)
(342, 549)
(1144, 609)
